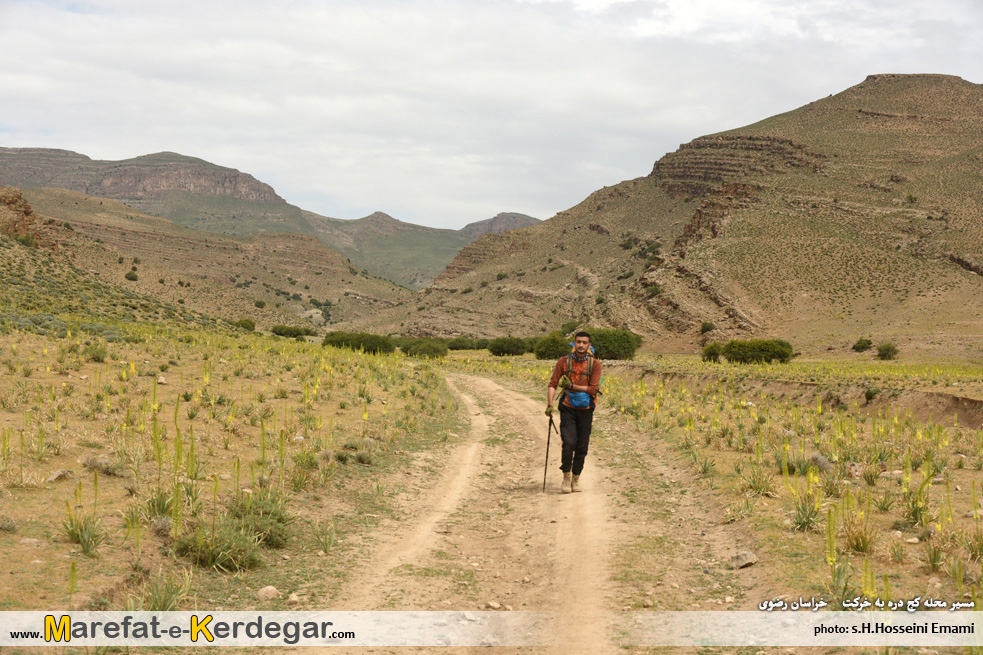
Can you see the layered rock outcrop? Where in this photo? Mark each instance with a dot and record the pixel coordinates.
(141, 178)
(699, 167)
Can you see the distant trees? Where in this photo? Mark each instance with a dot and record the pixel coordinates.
(553, 346)
(427, 348)
(887, 351)
(863, 344)
(752, 351)
(246, 324)
(370, 343)
(712, 352)
(292, 331)
(569, 326)
(614, 343)
(507, 346)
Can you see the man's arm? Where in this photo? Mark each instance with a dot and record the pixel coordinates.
(595, 381)
(554, 380)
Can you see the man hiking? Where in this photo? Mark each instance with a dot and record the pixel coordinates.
(578, 375)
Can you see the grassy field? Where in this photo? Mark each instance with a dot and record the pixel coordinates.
(845, 498)
(168, 467)
(177, 468)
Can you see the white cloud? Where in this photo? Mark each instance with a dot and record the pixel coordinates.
(444, 112)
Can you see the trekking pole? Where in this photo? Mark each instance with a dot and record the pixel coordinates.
(549, 432)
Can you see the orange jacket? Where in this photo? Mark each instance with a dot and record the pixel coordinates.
(578, 376)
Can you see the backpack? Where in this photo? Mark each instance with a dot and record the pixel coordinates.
(579, 399)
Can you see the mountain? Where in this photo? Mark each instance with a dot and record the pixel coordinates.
(270, 278)
(189, 191)
(500, 223)
(855, 215)
(203, 196)
(408, 254)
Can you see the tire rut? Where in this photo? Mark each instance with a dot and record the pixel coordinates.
(485, 536)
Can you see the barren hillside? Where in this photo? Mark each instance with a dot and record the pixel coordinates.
(855, 215)
(294, 277)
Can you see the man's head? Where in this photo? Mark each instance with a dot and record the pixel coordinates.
(581, 343)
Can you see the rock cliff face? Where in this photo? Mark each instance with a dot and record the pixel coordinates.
(500, 223)
(700, 167)
(141, 178)
(17, 219)
(485, 249)
(154, 181)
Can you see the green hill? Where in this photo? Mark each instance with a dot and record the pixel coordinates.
(410, 255)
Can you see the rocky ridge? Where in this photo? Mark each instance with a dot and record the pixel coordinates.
(499, 223)
(140, 178)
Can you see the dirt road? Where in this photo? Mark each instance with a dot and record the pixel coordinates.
(483, 535)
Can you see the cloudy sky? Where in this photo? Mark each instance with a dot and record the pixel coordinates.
(443, 112)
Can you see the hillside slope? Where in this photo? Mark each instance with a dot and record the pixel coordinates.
(408, 254)
(298, 278)
(203, 196)
(856, 215)
(187, 190)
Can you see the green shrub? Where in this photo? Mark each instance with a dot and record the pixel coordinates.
(614, 343)
(462, 343)
(263, 514)
(707, 326)
(131, 276)
(756, 351)
(481, 344)
(553, 346)
(30, 240)
(370, 343)
(229, 547)
(246, 324)
(85, 530)
(305, 460)
(531, 343)
(887, 351)
(292, 331)
(507, 346)
(260, 304)
(95, 353)
(428, 349)
(501, 276)
(569, 327)
(863, 344)
(712, 352)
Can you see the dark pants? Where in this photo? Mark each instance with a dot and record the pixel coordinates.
(575, 433)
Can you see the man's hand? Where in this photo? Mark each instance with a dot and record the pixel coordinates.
(563, 383)
(549, 410)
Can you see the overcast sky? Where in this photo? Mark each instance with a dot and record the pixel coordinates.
(439, 112)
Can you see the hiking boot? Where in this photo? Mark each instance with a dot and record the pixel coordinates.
(567, 478)
(575, 483)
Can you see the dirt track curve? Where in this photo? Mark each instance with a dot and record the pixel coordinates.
(480, 533)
